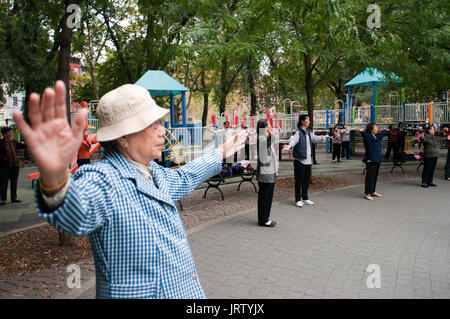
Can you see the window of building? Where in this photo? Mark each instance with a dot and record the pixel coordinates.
(15, 101)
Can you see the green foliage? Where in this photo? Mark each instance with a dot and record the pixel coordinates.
(27, 61)
(305, 50)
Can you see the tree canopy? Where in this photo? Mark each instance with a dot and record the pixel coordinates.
(232, 52)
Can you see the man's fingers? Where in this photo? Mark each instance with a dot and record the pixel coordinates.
(48, 104)
(60, 99)
(78, 124)
(24, 128)
(34, 111)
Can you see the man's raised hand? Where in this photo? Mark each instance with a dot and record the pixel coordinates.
(50, 138)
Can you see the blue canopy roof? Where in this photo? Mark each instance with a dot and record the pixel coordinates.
(370, 76)
(158, 83)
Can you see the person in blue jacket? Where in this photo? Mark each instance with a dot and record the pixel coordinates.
(125, 202)
(372, 137)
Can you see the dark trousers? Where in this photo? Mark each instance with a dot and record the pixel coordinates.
(429, 166)
(8, 174)
(337, 151)
(346, 150)
(447, 165)
(265, 197)
(391, 146)
(314, 153)
(82, 161)
(302, 175)
(371, 177)
(401, 144)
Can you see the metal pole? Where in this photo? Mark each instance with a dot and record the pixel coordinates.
(372, 107)
(327, 127)
(183, 107)
(172, 111)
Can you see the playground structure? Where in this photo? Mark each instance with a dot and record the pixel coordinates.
(186, 141)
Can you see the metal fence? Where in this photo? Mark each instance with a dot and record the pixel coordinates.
(195, 140)
(441, 112)
(388, 114)
(417, 112)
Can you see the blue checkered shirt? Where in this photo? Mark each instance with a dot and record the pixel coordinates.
(137, 237)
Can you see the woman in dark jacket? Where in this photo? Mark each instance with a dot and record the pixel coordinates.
(9, 165)
(373, 157)
(265, 173)
(431, 143)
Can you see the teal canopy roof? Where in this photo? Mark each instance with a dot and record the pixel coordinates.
(158, 83)
(370, 76)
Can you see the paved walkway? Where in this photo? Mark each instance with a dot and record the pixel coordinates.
(17, 216)
(323, 251)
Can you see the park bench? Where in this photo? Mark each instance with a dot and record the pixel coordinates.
(399, 161)
(218, 180)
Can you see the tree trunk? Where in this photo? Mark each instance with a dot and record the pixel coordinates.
(149, 39)
(64, 75)
(251, 85)
(64, 55)
(205, 99)
(309, 87)
(338, 90)
(94, 80)
(223, 86)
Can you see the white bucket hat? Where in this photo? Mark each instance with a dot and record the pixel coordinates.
(126, 110)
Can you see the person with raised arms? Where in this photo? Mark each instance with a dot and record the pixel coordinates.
(301, 144)
(125, 202)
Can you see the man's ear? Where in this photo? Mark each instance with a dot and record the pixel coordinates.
(123, 142)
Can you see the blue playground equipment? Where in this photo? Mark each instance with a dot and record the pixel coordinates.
(374, 78)
(158, 83)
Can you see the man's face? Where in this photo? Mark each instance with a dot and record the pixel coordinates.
(146, 145)
(9, 134)
(226, 125)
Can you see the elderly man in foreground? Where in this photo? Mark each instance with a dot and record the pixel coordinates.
(125, 202)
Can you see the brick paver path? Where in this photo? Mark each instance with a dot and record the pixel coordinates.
(323, 251)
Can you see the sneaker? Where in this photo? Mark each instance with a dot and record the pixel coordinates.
(16, 201)
(299, 204)
(307, 202)
(432, 185)
(2, 203)
(270, 223)
(424, 185)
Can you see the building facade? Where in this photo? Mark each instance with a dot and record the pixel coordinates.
(11, 102)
